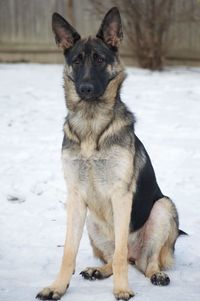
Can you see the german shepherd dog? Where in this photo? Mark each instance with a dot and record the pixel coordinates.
(107, 169)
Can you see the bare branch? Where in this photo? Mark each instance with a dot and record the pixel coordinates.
(146, 24)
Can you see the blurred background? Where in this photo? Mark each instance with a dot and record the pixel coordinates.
(157, 32)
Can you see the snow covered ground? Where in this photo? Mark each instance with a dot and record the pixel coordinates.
(32, 193)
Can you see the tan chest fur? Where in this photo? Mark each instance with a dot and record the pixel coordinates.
(97, 175)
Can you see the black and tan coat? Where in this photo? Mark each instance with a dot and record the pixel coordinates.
(107, 169)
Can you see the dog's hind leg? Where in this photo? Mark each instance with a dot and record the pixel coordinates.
(103, 248)
(159, 237)
(102, 272)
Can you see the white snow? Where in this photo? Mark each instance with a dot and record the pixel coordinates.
(32, 194)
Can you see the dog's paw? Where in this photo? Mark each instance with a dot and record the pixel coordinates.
(48, 294)
(123, 294)
(92, 274)
(160, 279)
(51, 293)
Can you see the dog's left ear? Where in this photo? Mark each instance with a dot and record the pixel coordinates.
(110, 30)
(66, 36)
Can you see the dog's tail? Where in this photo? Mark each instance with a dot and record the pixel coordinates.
(181, 232)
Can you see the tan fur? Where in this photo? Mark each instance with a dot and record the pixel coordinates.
(72, 98)
(121, 202)
(166, 258)
(157, 236)
(76, 213)
(72, 136)
(115, 68)
(97, 252)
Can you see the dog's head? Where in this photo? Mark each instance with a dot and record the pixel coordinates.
(91, 64)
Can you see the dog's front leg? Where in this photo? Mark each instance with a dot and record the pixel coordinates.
(121, 204)
(76, 213)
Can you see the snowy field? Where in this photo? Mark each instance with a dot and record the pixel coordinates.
(32, 194)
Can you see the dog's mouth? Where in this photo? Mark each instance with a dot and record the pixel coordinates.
(90, 97)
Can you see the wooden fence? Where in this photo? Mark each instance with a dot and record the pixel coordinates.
(25, 30)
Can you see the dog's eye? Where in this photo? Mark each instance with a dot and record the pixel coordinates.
(78, 59)
(98, 59)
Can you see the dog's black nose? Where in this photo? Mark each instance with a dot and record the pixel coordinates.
(86, 90)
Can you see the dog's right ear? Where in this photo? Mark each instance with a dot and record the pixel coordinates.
(65, 35)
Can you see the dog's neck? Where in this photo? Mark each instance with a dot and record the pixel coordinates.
(87, 121)
(90, 121)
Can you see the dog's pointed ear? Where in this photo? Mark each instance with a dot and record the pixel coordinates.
(110, 30)
(65, 35)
